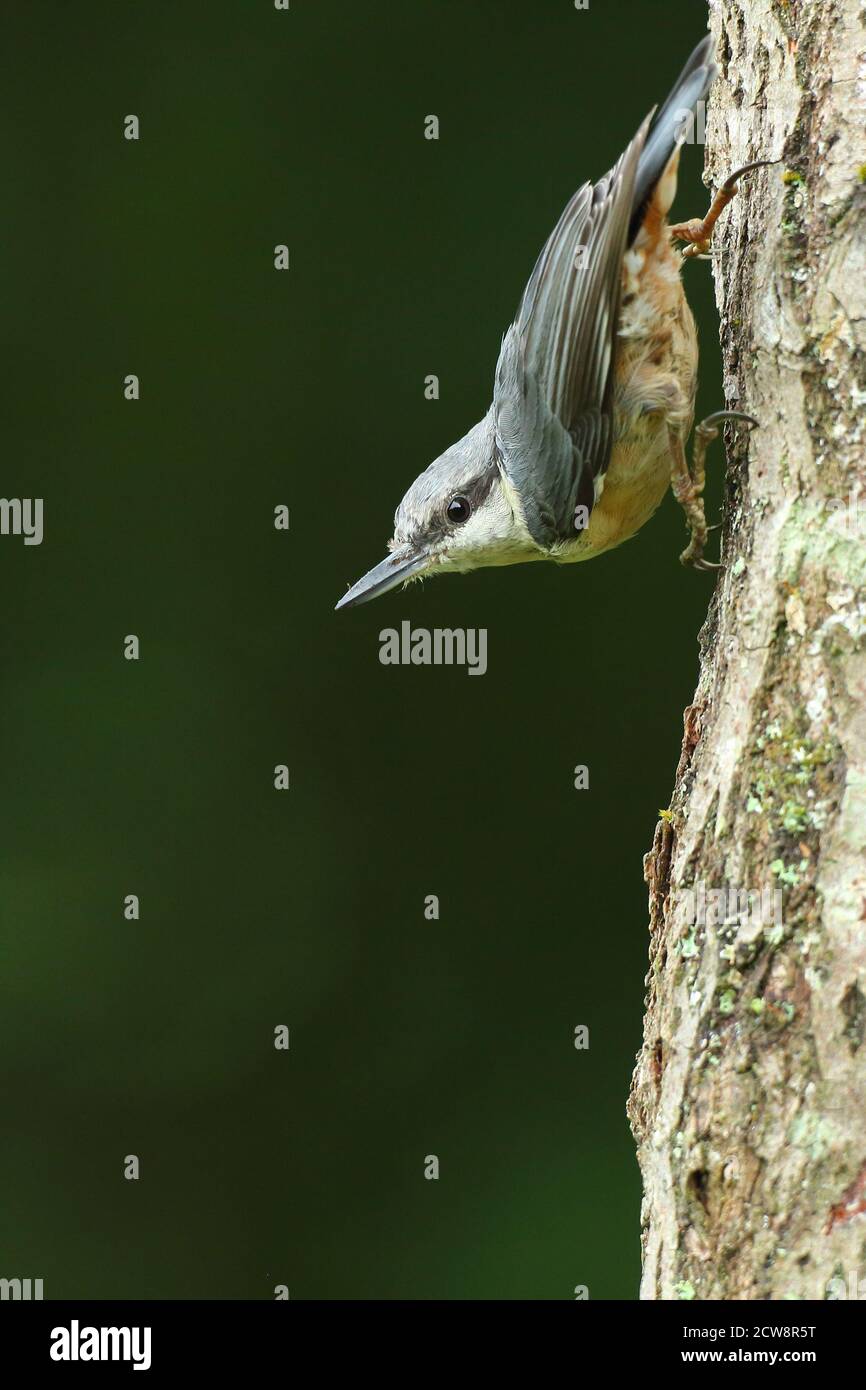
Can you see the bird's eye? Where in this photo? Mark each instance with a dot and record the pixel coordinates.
(458, 510)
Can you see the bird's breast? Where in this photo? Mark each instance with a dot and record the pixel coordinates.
(636, 480)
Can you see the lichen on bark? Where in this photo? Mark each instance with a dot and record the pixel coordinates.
(748, 1101)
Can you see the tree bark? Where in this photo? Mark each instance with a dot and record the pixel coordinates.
(748, 1100)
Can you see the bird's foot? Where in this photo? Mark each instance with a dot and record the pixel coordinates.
(698, 231)
(688, 484)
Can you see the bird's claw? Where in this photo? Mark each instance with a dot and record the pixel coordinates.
(698, 231)
(697, 562)
(708, 425)
(688, 485)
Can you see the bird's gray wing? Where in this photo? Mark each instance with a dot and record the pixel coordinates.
(553, 387)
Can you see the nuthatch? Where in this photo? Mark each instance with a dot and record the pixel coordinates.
(594, 392)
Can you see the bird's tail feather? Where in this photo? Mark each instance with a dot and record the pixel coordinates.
(666, 130)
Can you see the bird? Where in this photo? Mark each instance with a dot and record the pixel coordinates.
(594, 389)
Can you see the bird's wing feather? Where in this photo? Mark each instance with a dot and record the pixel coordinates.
(552, 395)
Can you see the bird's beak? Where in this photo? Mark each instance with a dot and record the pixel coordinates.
(403, 564)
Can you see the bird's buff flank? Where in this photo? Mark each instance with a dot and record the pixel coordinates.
(594, 391)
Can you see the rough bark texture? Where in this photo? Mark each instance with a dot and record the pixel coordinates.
(749, 1095)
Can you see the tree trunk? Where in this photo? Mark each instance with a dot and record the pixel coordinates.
(748, 1100)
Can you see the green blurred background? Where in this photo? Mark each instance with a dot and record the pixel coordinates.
(306, 388)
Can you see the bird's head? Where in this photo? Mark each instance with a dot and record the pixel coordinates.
(459, 514)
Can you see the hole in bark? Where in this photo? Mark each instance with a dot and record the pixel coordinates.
(697, 1185)
(658, 1061)
(854, 1011)
(725, 53)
